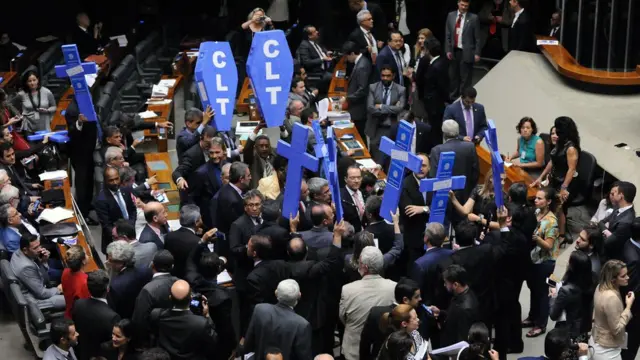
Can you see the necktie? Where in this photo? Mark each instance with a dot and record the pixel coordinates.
(458, 22)
(121, 205)
(370, 39)
(493, 26)
(469, 120)
(356, 198)
(385, 97)
(400, 67)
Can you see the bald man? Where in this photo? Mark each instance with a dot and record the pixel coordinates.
(319, 236)
(323, 357)
(156, 228)
(181, 333)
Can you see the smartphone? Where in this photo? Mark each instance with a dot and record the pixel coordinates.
(426, 308)
(197, 304)
(621, 145)
(551, 283)
(36, 205)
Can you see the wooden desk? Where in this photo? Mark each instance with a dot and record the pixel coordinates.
(166, 113)
(242, 104)
(165, 182)
(513, 174)
(59, 122)
(82, 241)
(338, 86)
(9, 79)
(568, 67)
(356, 136)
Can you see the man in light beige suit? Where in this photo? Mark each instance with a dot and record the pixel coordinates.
(360, 296)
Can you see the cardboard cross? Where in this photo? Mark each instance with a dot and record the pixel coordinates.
(217, 81)
(75, 71)
(270, 69)
(441, 185)
(497, 164)
(296, 152)
(401, 158)
(328, 154)
(59, 137)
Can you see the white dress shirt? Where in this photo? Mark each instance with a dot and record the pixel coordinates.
(459, 34)
(374, 45)
(515, 18)
(402, 24)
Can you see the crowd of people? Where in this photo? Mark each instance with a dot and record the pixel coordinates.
(305, 284)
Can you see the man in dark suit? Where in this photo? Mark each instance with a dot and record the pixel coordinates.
(462, 45)
(426, 271)
(229, 200)
(353, 199)
(87, 38)
(111, 204)
(616, 228)
(195, 122)
(182, 241)
(127, 280)
(319, 236)
(383, 232)
(414, 212)
(385, 101)
(156, 229)
(278, 325)
(358, 86)
(377, 25)
(392, 57)
(239, 234)
(183, 334)
(192, 159)
(314, 58)
(93, 317)
(632, 260)
(521, 36)
(470, 116)
(466, 158)
(16, 171)
(279, 235)
(554, 27)
(432, 80)
(155, 294)
(207, 180)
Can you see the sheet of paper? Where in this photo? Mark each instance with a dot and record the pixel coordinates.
(451, 350)
(158, 102)
(167, 83)
(323, 108)
(147, 115)
(224, 277)
(20, 47)
(508, 164)
(122, 40)
(157, 165)
(548, 42)
(91, 79)
(367, 163)
(53, 175)
(55, 215)
(174, 225)
(159, 91)
(193, 53)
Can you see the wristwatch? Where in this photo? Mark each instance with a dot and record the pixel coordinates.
(425, 209)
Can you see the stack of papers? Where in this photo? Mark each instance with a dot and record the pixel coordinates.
(159, 91)
(224, 277)
(56, 215)
(147, 114)
(367, 163)
(338, 115)
(53, 175)
(451, 350)
(167, 83)
(158, 101)
(122, 40)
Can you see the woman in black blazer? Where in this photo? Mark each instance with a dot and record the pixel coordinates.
(121, 346)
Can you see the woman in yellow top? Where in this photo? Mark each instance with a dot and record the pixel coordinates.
(543, 257)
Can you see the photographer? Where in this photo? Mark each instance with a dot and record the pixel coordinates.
(183, 334)
(558, 346)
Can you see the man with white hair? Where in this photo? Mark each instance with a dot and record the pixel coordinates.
(360, 296)
(466, 158)
(279, 326)
(114, 157)
(371, 23)
(4, 178)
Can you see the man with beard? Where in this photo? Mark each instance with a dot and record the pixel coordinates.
(590, 241)
(64, 337)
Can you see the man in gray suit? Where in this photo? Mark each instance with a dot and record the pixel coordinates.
(63, 337)
(279, 326)
(144, 252)
(385, 101)
(358, 87)
(462, 45)
(319, 236)
(30, 266)
(466, 158)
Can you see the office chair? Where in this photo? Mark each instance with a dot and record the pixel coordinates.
(586, 171)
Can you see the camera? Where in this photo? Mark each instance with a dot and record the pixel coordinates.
(197, 304)
(262, 18)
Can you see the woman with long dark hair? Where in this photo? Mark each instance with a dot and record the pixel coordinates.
(562, 167)
(397, 346)
(121, 346)
(38, 104)
(567, 307)
(479, 341)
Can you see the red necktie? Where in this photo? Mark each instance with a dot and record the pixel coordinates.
(455, 40)
(492, 28)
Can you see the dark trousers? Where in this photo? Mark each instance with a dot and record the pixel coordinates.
(539, 310)
(360, 127)
(84, 186)
(460, 73)
(374, 146)
(507, 318)
(633, 331)
(413, 254)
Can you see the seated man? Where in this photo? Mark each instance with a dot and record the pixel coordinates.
(315, 59)
(16, 171)
(113, 137)
(31, 268)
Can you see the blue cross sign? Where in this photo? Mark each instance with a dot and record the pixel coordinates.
(443, 182)
(327, 152)
(401, 158)
(59, 137)
(75, 70)
(296, 152)
(217, 81)
(497, 164)
(270, 69)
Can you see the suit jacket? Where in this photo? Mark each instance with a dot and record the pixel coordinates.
(18, 178)
(277, 325)
(471, 45)
(433, 84)
(355, 304)
(309, 58)
(241, 231)
(180, 243)
(457, 320)
(220, 310)
(521, 36)
(33, 278)
(192, 159)
(10, 240)
(350, 210)
(426, 272)
(279, 238)
(372, 338)
(387, 57)
(144, 253)
(466, 164)
(454, 111)
(109, 212)
(185, 140)
(82, 142)
(206, 182)
(263, 281)
(620, 227)
(125, 287)
(413, 226)
(386, 115)
(423, 138)
(95, 319)
(632, 260)
(317, 237)
(154, 295)
(53, 353)
(87, 44)
(148, 235)
(231, 201)
(358, 89)
(185, 335)
(251, 158)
